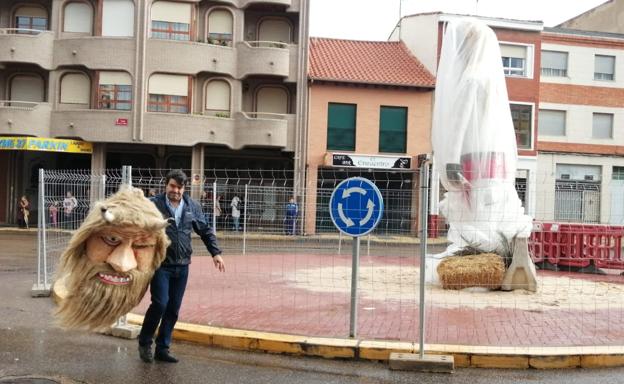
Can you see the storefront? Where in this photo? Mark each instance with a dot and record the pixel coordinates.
(20, 161)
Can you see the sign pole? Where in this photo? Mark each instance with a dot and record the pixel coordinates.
(355, 267)
(424, 197)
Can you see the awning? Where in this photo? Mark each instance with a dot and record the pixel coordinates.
(45, 144)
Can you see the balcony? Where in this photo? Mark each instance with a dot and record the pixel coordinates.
(189, 57)
(24, 118)
(264, 58)
(93, 125)
(237, 132)
(27, 46)
(260, 129)
(88, 50)
(247, 3)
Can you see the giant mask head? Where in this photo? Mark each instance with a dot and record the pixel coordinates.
(110, 260)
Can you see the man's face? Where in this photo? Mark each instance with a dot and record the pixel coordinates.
(174, 190)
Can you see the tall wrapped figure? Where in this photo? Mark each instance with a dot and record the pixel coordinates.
(474, 145)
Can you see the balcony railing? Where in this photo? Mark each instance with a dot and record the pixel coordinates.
(20, 31)
(16, 104)
(265, 115)
(267, 44)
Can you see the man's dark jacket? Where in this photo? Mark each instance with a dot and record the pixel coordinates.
(179, 252)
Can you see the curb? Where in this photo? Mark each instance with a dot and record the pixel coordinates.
(338, 348)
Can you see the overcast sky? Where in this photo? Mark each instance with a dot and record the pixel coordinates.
(375, 19)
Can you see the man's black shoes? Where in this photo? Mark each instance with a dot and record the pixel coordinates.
(165, 356)
(146, 354)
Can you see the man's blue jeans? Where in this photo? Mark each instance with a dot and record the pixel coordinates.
(167, 290)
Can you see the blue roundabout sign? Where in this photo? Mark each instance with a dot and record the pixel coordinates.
(356, 206)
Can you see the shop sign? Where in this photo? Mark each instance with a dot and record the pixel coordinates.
(45, 144)
(371, 161)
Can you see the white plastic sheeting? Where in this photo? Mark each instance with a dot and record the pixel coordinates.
(474, 145)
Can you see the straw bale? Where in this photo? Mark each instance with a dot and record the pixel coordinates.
(483, 270)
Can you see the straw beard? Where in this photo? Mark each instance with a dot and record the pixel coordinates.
(94, 305)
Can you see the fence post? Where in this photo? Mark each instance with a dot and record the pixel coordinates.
(122, 328)
(39, 289)
(214, 207)
(245, 221)
(424, 200)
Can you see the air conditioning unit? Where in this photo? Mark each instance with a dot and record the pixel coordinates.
(589, 177)
(565, 176)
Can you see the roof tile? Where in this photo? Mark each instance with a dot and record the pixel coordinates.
(369, 62)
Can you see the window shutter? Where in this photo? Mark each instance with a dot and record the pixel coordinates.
(555, 60)
(218, 95)
(272, 100)
(78, 18)
(118, 18)
(551, 123)
(274, 30)
(161, 84)
(341, 120)
(171, 12)
(605, 64)
(115, 78)
(220, 21)
(518, 51)
(392, 129)
(32, 12)
(27, 88)
(75, 89)
(602, 126)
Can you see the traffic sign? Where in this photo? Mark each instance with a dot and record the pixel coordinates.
(356, 206)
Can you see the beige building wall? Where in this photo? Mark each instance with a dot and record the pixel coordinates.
(608, 17)
(419, 103)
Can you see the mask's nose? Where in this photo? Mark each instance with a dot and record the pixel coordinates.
(122, 258)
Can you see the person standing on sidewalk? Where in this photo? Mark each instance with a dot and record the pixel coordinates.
(169, 282)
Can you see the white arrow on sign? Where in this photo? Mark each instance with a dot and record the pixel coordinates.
(344, 218)
(347, 192)
(370, 206)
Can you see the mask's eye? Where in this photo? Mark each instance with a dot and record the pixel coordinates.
(142, 246)
(111, 240)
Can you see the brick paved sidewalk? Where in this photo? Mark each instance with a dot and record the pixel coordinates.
(307, 294)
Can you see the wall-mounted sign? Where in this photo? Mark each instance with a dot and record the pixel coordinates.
(45, 144)
(121, 121)
(370, 161)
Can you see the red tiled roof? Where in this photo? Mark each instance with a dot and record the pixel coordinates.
(367, 62)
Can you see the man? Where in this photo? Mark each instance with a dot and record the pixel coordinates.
(169, 282)
(106, 268)
(290, 221)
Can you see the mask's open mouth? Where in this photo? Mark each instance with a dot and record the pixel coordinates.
(107, 278)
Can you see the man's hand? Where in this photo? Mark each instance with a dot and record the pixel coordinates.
(219, 263)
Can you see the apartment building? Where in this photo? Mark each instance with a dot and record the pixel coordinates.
(370, 109)
(520, 43)
(150, 83)
(580, 155)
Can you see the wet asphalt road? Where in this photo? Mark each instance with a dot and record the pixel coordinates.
(31, 345)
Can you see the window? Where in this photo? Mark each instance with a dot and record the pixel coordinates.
(26, 87)
(272, 100)
(341, 126)
(602, 127)
(218, 98)
(604, 67)
(521, 115)
(168, 93)
(514, 60)
(31, 18)
(551, 123)
(554, 64)
(220, 28)
(118, 18)
(392, 129)
(78, 17)
(274, 30)
(171, 21)
(115, 91)
(75, 88)
(618, 173)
